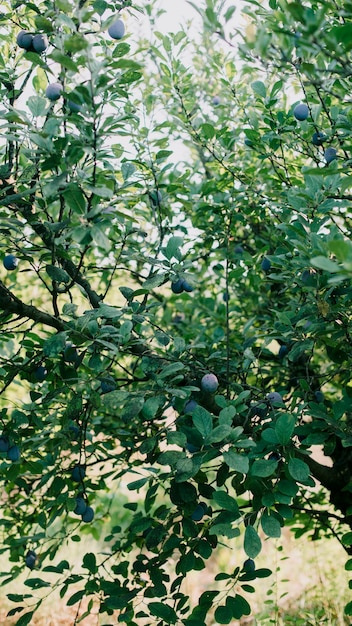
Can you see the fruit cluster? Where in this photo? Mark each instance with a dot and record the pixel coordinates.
(32, 43)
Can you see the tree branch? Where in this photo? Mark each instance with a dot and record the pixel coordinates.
(18, 203)
(11, 304)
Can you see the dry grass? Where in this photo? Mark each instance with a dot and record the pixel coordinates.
(309, 587)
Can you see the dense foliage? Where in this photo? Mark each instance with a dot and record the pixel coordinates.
(175, 296)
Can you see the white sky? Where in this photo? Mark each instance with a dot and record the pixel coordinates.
(178, 11)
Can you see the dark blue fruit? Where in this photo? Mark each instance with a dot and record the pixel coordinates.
(319, 396)
(209, 383)
(4, 443)
(249, 565)
(330, 155)
(198, 513)
(186, 286)
(71, 354)
(265, 264)
(190, 406)
(40, 373)
(81, 506)
(301, 112)
(40, 43)
(283, 351)
(10, 262)
(88, 514)
(78, 473)
(318, 138)
(31, 559)
(13, 453)
(24, 40)
(74, 431)
(177, 286)
(274, 397)
(107, 385)
(117, 29)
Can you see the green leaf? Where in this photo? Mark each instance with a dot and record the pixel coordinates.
(346, 539)
(36, 583)
(163, 611)
(238, 605)
(37, 105)
(223, 614)
(348, 565)
(225, 501)
(90, 563)
(284, 427)
(348, 608)
(202, 421)
(259, 88)
(57, 274)
(270, 525)
(75, 198)
(64, 60)
(299, 470)
(236, 461)
(155, 280)
(252, 543)
(208, 131)
(219, 433)
(172, 249)
(54, 345)
(127, 170)
(25, 619)
(325, 264)
(76, 597)
(263, 468)
(137, 484)
(171, 370)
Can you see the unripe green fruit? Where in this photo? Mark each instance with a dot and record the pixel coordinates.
(117, 29)
(53, 91)
(301, 112)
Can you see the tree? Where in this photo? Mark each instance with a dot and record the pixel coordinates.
(131, 273)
